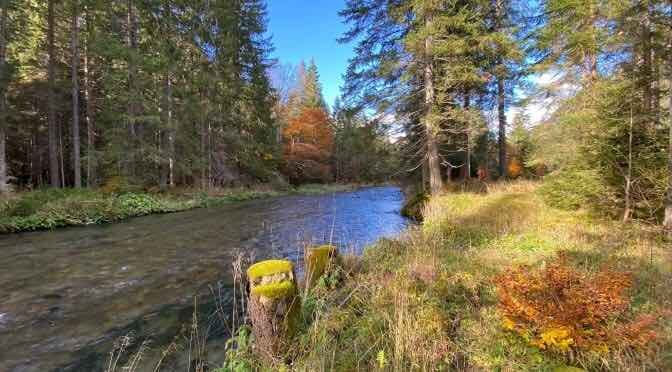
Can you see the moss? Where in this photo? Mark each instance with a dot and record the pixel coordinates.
(413, 207)
(279, 289)
(317, 259)
(269, 267)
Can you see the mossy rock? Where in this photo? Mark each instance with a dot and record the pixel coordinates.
(413, 206)
(317, 260)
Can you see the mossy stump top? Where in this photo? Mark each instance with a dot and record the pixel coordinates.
(317, 260)
(272, 279)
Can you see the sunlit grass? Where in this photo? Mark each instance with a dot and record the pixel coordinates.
(427, 300)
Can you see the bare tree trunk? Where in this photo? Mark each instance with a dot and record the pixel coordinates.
(90, 129)
(467, 132)
(501, 115)
(4, 184)
(627, 212)
(165, 137)
(76, 160)
(667, 223)
(646, 59)
(60, 154)
(171, 134)
(54, 176)
(132, 44)
(431, 132)
(204, 155)
(501, 97)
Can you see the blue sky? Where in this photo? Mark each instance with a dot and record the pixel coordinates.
(305, 29)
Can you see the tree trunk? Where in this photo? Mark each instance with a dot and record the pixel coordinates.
(171, 134)
(165, 138)
(90, 129)
(667, 223)
(646, 60)
(132, 112)
(501, 96)
(76, 160)
(431, 130)
(204, 154)
(627, 212)
(467, 132)
(4, 184)
(54, 176)
(501, 115)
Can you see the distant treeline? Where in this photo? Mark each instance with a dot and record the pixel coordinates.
(161, 93)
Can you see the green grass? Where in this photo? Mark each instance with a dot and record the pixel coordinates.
(427, 301)
(52, 208)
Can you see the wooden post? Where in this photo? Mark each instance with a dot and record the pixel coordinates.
(273, 306)
(317, 260)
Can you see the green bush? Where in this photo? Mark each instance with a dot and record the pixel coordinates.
(30, 202)
(572, 189)
(135, 204)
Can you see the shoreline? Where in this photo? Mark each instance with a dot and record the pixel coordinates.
(51, 209)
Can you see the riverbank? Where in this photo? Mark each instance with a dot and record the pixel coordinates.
(493, 281)
(53, 208)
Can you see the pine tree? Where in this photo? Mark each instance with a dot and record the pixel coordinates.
(312, 89)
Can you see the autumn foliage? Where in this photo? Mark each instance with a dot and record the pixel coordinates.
(308, 145)
(515, 168)
(557, 308)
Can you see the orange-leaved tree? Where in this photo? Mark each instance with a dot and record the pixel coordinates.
(308, 145)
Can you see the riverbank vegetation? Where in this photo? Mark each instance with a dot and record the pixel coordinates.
(492, 281)
(52, 208)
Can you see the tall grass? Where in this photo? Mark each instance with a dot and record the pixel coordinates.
(428, 300)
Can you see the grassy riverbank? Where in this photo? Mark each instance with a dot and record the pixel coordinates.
(594, 294)
(52, 208)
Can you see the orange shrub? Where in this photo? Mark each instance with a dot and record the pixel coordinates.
(515, 168)
(558, 308)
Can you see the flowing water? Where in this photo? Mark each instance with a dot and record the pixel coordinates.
(67, 295)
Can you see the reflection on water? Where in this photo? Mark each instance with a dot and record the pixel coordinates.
(66, 295)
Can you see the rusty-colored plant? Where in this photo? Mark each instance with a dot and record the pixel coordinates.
(558, 308)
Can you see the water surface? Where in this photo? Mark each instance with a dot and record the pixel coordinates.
(67, 295)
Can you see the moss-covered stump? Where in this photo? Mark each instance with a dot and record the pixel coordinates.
(317, 261)
(273, 306)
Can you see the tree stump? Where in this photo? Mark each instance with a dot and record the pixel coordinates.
(317, 260)
(273, 306)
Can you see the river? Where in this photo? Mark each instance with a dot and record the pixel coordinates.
(67, 295)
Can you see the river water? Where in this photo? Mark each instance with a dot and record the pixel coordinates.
(67, 295)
